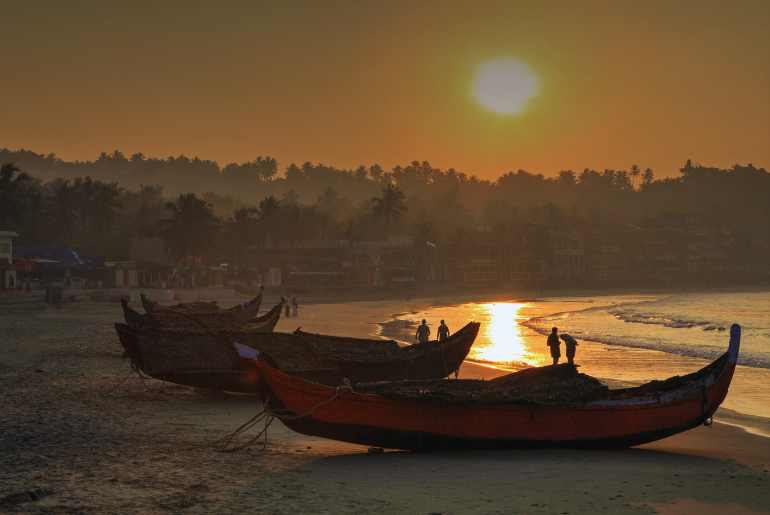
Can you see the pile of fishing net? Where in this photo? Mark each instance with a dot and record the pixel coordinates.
(561, 384)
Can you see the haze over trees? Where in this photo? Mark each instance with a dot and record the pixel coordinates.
(225, 213)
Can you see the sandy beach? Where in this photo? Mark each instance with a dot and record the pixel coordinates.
(80, 434)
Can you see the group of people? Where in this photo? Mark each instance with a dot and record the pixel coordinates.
(423, 332)
(570, 345)
(291, 308)
(554, 340)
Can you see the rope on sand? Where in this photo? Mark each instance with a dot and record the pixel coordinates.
(133, 372)
(267, 416)
(112, 390)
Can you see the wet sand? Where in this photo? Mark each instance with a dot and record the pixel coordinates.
(80, 435)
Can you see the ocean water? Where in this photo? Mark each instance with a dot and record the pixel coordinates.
(624, 339)
(689, 324)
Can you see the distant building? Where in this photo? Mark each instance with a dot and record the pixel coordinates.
(121, 274)
(8, 279)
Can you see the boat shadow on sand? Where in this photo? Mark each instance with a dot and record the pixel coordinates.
(555, 478)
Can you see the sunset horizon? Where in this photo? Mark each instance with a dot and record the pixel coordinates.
(404, 257)
(616, 84)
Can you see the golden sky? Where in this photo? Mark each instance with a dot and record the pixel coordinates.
(352, 82)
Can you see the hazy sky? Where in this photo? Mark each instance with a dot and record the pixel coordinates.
(345, 83)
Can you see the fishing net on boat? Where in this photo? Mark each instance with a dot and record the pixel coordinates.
(165, 352)
(350, 350)
(561, 384)
(195, 321)
(285, 351)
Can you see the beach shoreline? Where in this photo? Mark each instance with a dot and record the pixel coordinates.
(82, 435)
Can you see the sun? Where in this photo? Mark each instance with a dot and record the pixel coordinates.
(505, 85)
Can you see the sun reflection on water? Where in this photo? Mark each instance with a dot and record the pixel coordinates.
(501, 337)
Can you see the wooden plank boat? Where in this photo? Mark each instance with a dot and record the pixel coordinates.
(365, 360)
(205, 320)
(248, 308)
(213, 364)
(150, 306)
(181, 355)
(612, 419)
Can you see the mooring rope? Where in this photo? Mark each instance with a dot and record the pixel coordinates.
(267, 416)
(112, 390)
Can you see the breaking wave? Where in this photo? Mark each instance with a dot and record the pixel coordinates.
(635, 317)
(670, 332)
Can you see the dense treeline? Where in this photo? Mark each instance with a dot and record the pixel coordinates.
(98, 206)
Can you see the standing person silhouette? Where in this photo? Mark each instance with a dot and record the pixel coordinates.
(423, 332)
(443, 331)
(570, 345)
(553, 343)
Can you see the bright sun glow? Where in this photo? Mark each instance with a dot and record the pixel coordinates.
(503, 333)
(505, 85)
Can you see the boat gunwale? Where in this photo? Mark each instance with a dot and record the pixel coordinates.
(307, 387)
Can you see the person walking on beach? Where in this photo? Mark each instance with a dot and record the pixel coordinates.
(294, 306)
(570, 345)
(286, 307)
(423, 332)
(443, 331)
(553, 343)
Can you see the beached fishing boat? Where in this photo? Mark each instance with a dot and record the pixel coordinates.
(228, 319)
(150, 305)
(557, 409)
(325, 359)
(210, 363)
(365, 360)
(246, 309)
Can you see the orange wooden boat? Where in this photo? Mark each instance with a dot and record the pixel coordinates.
(619, 418)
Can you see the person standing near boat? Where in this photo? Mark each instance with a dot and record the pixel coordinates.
(294, 306)
(443, 331)
(423, 332)
(553, 343)
(286, 307)
(570, 345)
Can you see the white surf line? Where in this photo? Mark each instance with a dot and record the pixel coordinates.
(751, 429)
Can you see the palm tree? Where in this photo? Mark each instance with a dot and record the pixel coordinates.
(635, 172)
(270, 211)
(389, 207)
(648, 177)
(191, 226)
(241, 231)
(150, 209)
(15, 193)
(62, 210)
(269, 207)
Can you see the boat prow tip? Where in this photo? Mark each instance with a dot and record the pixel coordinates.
(735, 342)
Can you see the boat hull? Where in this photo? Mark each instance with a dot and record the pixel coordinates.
(218, 368)
(434, 360)
(204, 321)
(242, 380)
(428, 425)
